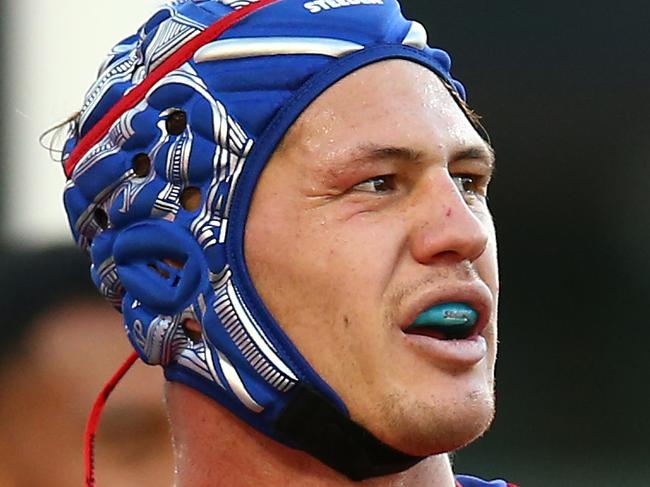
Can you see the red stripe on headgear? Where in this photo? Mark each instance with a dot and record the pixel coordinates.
(175, 61)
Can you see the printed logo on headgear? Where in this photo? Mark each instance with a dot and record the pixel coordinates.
(319, 5)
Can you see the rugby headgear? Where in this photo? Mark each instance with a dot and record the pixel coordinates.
(161, 168)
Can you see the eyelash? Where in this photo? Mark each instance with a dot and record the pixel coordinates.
(475, 183)
(466, 183)
(386, 179)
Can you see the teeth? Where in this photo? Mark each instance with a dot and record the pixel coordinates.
(453, 320)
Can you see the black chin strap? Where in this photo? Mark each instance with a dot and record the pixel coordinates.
(317, 427)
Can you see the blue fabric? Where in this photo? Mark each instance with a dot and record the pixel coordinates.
(467, 481)
(237, 111)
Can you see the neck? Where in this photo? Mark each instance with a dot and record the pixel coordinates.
(213, 448)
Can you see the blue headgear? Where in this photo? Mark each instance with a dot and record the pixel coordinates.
(198, 100)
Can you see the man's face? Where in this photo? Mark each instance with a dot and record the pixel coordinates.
(372, 211)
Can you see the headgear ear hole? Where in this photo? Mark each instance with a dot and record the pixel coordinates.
(191, 198)
(160, 265)
(176, 264)
(159, 270)
(169, 269)
(191, 331)
(141, 165)
(101, 218)
(176, 122)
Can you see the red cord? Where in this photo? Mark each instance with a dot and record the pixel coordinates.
(133, 97)
(93, 418)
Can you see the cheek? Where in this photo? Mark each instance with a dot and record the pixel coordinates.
(487, 263)
(289, 259)
(487, 266)
(318, 272)
(370, 247)
(318, 249)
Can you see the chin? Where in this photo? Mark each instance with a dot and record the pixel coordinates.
(441, 428)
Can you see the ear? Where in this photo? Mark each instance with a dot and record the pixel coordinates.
(161, 265)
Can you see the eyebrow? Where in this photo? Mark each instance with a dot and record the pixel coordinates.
(380, 152)
(366, 152)
(482, 153)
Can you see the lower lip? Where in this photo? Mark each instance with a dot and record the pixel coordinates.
(457, 353)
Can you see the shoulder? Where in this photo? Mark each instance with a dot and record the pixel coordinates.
(467, 481)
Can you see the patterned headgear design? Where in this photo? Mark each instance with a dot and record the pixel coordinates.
(196, 102)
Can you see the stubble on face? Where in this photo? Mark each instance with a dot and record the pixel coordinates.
(418, 418)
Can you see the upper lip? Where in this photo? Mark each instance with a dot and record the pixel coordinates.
(474, 293)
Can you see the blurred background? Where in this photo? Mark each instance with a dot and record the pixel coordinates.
(61, 341)
(564, 88)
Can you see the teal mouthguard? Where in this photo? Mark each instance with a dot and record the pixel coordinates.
(446, 317)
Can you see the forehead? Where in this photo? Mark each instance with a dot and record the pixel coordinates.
(394, 101)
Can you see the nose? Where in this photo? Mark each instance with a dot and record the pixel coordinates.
(444, 225)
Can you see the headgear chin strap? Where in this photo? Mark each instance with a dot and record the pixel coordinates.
(197, 101)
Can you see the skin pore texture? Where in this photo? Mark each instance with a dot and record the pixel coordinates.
(372, 210)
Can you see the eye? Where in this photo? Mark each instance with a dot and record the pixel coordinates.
(469, 184)
(379, 184)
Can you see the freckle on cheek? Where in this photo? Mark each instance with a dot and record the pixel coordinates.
(448, 212)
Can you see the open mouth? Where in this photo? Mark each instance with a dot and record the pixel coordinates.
(446, 321)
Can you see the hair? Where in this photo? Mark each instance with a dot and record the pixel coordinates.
(53, 139)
